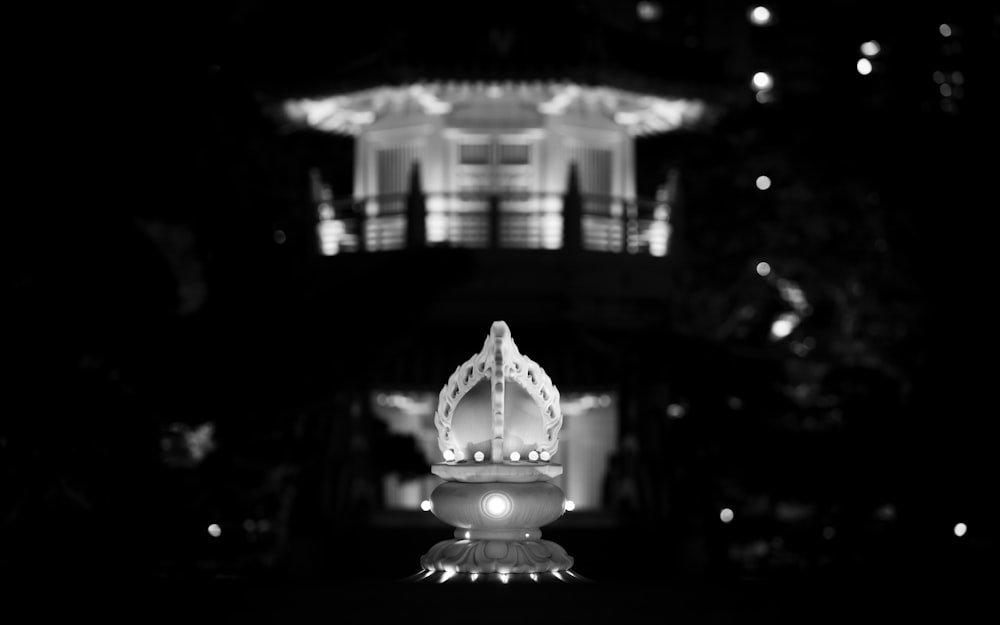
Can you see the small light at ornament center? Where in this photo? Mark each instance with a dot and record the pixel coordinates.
(479, 456)
(497, 505)
(533, 455)
(545, 456)
(425, 505)
(570, 505)
(214, 530)
(763, 269)
(726, 515)
(515, 456)
(961, 529)
(449, 455)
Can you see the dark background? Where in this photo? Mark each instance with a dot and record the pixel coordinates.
(148, 290)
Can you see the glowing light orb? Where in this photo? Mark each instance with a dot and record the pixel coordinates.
(515, 456)
(781, 328)
(961, 529)
(545, 456)
(870, 48)
(763, 269)
(648, 11)
(763, 183)
(425, 505)
(784, 325)
(864, 67)
(533, 455)
(479, 456)
(760, 16)
(762, 81)
(726, 515)
(449, 455)
(570, 505)
(214, 530)
(945, 30)
(497, 505)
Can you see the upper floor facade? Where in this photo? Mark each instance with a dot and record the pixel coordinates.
(487, 165)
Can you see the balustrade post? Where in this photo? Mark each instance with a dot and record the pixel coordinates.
(361, 211)
(630, 242)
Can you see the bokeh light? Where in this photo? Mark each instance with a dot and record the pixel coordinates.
(760, 15)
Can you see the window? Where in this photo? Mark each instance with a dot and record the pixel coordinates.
(512, 154)
(474, 154)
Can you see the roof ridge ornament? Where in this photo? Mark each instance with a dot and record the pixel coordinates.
(499, 361)
(497, 507)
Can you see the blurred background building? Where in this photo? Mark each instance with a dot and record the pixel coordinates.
(745, 241)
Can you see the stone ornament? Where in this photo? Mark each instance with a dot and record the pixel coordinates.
(498, 422)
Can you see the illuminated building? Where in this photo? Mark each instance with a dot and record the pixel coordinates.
(493, 163)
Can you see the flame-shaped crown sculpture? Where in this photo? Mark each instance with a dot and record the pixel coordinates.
(497, 440)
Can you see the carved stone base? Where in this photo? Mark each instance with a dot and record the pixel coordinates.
(496, 556)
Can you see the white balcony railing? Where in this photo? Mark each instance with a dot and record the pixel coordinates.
(494, 221)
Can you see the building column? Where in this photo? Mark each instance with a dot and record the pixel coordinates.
(416, 211)
(573, 211)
